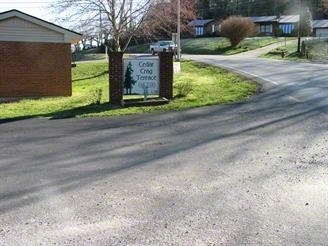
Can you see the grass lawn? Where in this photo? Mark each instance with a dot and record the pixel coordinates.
(317, 50)
(290, 51)
(213, 45)
(209, 85)
(222, 46)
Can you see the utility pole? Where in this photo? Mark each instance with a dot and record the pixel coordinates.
(299, 27)
(100, 28)
(178, 32)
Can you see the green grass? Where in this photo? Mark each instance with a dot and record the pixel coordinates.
(210, 85)
(213, 45)
(204, 45)
(290, 52)
(316, 51)
(89, 55)
(222, 46)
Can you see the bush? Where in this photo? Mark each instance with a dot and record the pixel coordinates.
(278, 32)
(95, 96)
(237, 28)
(183, 89)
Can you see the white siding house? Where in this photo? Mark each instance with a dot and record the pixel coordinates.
(18, 26)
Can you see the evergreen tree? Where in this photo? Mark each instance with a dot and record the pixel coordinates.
(129, 81)
(306, 22)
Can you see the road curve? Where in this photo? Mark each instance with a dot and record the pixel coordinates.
(249, 173)
(300, 82)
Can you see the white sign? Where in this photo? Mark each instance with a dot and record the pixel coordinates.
(141, 76)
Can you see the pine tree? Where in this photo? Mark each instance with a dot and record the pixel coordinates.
(306, 23)
(129, 81)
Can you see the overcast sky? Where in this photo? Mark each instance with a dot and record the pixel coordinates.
(37, 8)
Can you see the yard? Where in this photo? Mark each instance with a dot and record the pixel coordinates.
(213, 45)
(197, 85)
(316, 50)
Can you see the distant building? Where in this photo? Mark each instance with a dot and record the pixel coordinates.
(205, 27)
(320, 28)
(265, 24)
(269, 24)
(287, 23)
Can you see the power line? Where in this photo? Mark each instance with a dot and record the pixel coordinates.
(19, 2)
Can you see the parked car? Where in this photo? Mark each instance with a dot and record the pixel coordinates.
(163, 46)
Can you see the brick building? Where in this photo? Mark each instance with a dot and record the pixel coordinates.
(35, 56)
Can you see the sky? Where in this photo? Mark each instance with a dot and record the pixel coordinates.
(37, 8)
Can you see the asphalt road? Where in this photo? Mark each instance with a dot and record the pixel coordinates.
(250, 173)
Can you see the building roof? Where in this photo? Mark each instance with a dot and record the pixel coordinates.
(289, 19)
(70, 36)
(200, 22)
(273, 18)
(258, 19)
(320, 23)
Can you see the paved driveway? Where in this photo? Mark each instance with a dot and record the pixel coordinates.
(251, 173)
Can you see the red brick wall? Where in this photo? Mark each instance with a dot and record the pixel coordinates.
(115, 77)
(35, 69)
(166, 74)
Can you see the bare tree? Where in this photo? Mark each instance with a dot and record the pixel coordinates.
(161, 20)
(116, 20)
(237, 28)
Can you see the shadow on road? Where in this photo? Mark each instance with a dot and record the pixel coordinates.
(63, 152)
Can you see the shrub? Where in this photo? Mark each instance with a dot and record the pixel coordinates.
(278, 32)
(183, 89)
(237, 28)
(95, 96)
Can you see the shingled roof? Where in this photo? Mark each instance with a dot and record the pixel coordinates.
(258, 19)
(200, 22)
(320, 23)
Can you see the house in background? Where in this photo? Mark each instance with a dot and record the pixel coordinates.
(269, 24)
(266, 24)
(206, 27)
(320, 28)
(287, 23)
(35, 56)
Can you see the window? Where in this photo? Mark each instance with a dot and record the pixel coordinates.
(287, 28)
(266, 28)
(199, 31)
